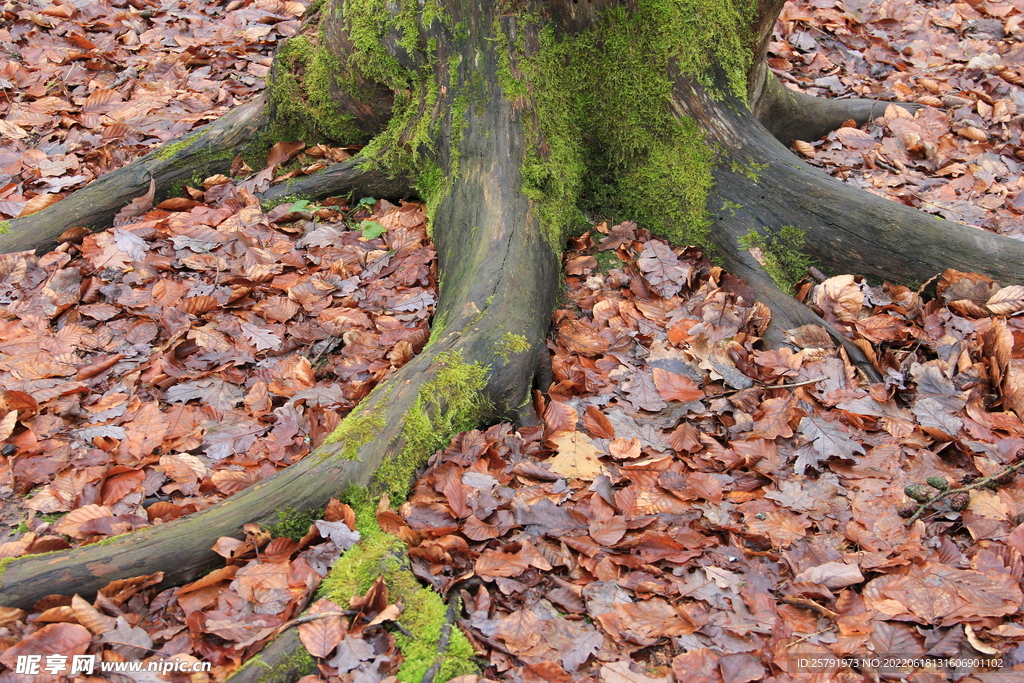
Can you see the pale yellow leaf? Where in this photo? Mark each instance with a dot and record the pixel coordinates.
(7, 424)
(1007, 301)
(988, 504)
(577, 457)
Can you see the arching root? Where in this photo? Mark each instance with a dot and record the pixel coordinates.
(791, 115)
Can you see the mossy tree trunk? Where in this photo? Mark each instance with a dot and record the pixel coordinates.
(512, 119)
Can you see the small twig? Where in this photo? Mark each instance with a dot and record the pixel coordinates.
(791, 386)
(811, 605)
(306, 618)
(765, 385)
(446, 635)
(809, 635)
(977, 484)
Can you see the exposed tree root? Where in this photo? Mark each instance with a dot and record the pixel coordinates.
(847, 230)
(339, 179)
(276, 662)
(787, 312)
(206, 151)
(497, 292)
(763, 187)
(791, 115)
(374, 434)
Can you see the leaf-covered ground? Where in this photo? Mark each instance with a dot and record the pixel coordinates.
(155, 368)
(90, 86)
(960, 157)
(691, 507)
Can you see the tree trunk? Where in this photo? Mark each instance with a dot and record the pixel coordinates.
(511, 119)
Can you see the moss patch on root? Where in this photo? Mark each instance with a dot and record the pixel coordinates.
(358, 429)
(300, 92)
(509, 344)
(294, 524)
(4, 561)
(380, 555)
(780, 253)
(290, 668)
(602, 106)
(450, 403)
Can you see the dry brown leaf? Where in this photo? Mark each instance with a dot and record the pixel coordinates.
(38, 203)
(90, 617)
(321, 636)
(972, 133)
(577, 457)
(71, 524)
(1007, 301)
(805, 148)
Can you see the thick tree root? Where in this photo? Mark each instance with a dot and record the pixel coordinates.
(377, 432)
(339, 179)
(787, 312)
(791, 115)
(497, 293)
(763, 187)
(206, 151)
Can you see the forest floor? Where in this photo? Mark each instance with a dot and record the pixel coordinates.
(693, 508)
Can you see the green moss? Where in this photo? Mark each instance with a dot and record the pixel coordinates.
(178, 186)
(290, 667)
(731, 206)
(379, 555)
(511, 84)
(607, 261)
(171, 148)
(287, 199)
(612, 142)
(509, 344)
(294, 524)
(113, 539)
(5, 227)
(446, 405)
(301, 93)
(359, 428)
(4, 561)
(782, 254)
(750, 169)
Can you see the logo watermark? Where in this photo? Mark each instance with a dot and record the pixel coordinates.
(886, 663)
(32, 665)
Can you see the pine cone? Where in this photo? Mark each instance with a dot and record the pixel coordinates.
(907, 510)
(959, 501)
(918, 492)
(939, 483)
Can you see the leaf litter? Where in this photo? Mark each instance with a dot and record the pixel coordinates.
(688, 507)
(958, 157)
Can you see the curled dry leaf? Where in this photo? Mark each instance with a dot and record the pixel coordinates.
(972, 133)
(1007, 301)
(805, 148)
(1010, 76)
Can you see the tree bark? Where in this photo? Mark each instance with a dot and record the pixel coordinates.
(489, 123)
